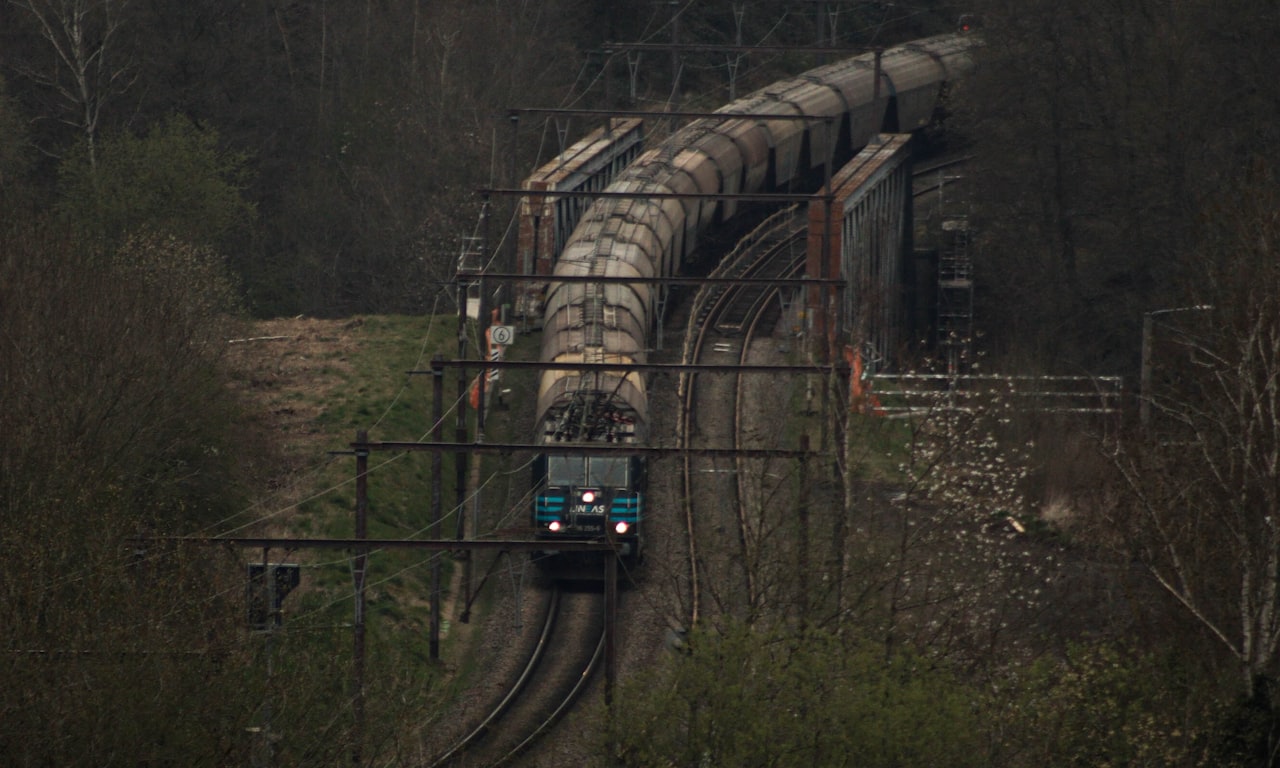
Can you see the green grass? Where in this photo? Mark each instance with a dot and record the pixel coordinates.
(877, 445)
(374, 392)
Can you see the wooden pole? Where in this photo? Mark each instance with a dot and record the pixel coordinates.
(357, 663)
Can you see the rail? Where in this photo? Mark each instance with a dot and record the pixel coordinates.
(478, 747)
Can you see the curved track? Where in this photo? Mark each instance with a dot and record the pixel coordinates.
(723, 323)
(569, 650)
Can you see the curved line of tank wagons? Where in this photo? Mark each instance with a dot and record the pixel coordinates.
(641, 237)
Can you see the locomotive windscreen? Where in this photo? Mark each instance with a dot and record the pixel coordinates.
(593, 471)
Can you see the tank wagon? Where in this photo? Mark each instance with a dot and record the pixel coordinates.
(597, 492)
(546, 221)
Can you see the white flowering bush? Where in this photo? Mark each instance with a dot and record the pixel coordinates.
(941, 558)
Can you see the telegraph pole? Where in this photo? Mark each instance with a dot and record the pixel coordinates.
(357, 662)
(437, 434)
(675, 57)
(1144, 380)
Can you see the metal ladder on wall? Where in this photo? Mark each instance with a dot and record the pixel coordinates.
(955, 296)
(592, 315)
(593, 318)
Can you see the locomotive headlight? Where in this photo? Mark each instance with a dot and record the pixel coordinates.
(621, 527)
(588, 497)
(553, 526)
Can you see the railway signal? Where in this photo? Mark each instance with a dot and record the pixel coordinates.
(268, 585)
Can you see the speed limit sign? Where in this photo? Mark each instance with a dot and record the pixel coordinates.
(502, 334)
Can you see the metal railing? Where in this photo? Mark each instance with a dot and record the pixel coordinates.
(906, 393)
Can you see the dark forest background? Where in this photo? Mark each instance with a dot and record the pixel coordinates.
(170, 168)
(338, 145)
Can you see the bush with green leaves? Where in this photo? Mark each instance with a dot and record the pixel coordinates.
(751, 697)
(118, 427)
(176, 179)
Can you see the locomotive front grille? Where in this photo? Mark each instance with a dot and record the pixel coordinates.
(589, 522)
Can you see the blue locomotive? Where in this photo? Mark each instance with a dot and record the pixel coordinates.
(596, 492)
(591, 497)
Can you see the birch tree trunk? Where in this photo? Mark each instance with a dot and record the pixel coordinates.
(1201, 489)
(88, 69)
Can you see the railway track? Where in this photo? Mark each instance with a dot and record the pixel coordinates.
(569, 650)
(724, 321)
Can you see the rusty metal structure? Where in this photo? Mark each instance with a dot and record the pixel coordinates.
(861, 233)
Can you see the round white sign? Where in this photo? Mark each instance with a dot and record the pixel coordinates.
(502, 334)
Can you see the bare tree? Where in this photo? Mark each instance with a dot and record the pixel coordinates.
(83, 70)
(1200, 491)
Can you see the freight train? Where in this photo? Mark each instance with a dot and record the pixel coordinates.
(599, 492)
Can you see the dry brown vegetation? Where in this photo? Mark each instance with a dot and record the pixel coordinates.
(286, 369)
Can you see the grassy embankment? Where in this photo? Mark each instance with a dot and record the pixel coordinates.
(316, 383)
